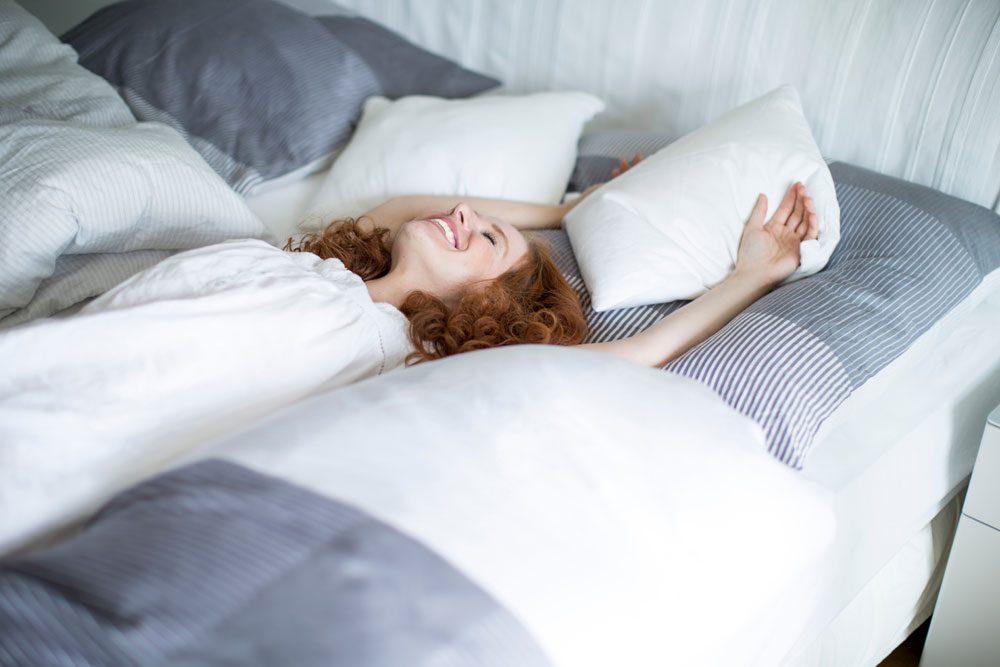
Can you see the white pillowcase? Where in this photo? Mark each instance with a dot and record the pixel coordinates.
(510, 147)
(670, 227)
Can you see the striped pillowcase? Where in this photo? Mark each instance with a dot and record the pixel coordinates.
(908, 254)
(87, 196)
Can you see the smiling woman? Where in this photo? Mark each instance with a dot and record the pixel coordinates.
(461, 272)
(466, 278)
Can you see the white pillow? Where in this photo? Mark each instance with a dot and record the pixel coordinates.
(511, 147)
(670, 227)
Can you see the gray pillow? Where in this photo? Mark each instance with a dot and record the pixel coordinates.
(261, 90)
(88, 197)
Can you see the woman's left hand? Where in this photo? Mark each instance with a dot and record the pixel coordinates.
(770, 251)
(623, 166)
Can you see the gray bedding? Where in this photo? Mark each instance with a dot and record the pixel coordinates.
(214, 564)
(908, 255)
(259, 89)
(88, 196)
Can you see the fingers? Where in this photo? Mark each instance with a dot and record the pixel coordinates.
(808, 226)
(786, 206)
(802, 228)
(623, 165)
(813, 232)
(793, 221)
(756, 219)
(812, 224)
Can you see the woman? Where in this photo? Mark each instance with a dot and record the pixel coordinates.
(233, 331)
(466, 278)
(214, 338)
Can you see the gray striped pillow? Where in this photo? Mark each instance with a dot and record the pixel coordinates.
(908, 254)
(87, 196)
(261, 90)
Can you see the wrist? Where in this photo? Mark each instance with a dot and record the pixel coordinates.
(566, 206)
(755, 276)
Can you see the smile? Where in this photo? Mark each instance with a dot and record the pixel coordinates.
(448, 233)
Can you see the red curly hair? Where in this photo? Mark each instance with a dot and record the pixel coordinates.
(530, 303)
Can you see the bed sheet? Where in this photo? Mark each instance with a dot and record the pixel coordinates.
(892, 605)
(281, 208)
(891, 457)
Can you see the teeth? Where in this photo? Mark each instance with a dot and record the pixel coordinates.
(447, 230)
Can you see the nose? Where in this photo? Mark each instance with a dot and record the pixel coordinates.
(464, 214)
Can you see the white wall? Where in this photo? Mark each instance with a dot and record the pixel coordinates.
(909, 88)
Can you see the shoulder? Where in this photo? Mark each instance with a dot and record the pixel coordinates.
(227, 268)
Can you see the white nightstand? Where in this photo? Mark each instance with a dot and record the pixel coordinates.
(965, 630)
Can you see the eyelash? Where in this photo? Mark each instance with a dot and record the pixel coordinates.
(490, 237)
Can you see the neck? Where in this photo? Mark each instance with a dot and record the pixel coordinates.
(390, 288)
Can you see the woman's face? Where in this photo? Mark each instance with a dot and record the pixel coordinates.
(445, 253)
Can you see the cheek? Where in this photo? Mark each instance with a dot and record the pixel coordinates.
(414, 244)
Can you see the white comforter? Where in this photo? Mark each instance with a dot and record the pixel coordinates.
(625, 515)
(204, 341)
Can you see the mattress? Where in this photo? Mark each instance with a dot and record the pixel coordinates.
(892, 605)
(891, 457)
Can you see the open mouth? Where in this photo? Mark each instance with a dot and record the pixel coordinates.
(447, 231)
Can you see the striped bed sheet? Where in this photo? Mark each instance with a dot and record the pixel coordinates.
(908, 254)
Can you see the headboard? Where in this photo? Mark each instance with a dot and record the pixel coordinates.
(909, 88)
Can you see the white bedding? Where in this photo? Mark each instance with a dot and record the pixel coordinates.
(625, 515)
(202, 343)
(282, 209)
(475, 458)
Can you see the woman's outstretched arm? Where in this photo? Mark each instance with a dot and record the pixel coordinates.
(768, 253)
(522, 215)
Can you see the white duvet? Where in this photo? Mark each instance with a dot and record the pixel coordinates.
(204, 341)
(625, 514)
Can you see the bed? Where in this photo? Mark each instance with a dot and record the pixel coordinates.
(894, 459)
(835, 563)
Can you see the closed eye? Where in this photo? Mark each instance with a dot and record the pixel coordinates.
(490, 236)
